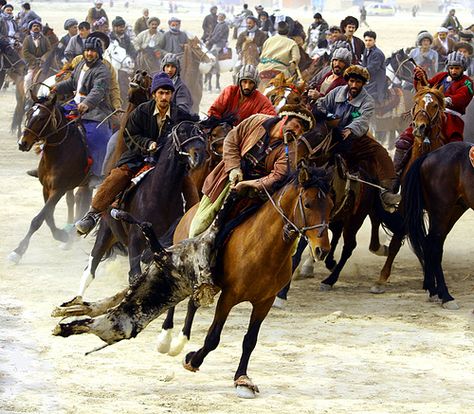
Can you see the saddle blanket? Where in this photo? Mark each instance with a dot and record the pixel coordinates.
(142, 173)
(471, 155)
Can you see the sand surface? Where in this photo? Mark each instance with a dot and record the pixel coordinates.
(344, 351)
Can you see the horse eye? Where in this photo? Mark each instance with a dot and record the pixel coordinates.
(307, 205)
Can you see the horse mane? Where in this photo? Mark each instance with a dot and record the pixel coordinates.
(434, 91)
(213, 121)
(317, 177)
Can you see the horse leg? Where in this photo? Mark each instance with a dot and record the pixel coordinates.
(165, 336)
(70, 206)
(178, 344)
(2, 77)
(136, 246)
(244, 386)
(375, 247)
(52, 200)
(194, 360)
(20, 104)
(58, 234)
(218, 77)
(336, 229)
(350, 243)
(83, 199)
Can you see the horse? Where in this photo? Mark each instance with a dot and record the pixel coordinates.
(122, 63)
(196, 61)
(157, 200)
(12, 64)
(226, 61)
(440, 184)
(283, 91)
(260, 245)
(250, 55)
(63, 166)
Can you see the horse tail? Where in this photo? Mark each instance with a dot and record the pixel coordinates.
(413, 207)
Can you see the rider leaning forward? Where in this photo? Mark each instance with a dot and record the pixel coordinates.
(458, 92)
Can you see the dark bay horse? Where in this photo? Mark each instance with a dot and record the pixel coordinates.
(63, 166)
(441, 184)
(259, 246)
(12, 64)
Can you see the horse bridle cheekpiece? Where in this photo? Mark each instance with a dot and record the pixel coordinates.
(196, 134)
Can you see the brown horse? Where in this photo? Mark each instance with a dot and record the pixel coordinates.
(283, 91)
(261, 245)
(194, 54)
(63, 165)
(440, 183)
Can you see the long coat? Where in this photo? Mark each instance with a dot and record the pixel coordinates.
(374, 61)
(219, 36)
(236, 144)
(259, 39)
(31, 53)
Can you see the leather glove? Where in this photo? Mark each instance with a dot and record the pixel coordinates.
(236, 175)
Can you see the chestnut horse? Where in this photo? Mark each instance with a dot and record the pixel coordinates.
(261, 245)
(63, 165)
(440, 184)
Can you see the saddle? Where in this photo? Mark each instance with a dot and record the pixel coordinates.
(123, 197)
(225, 54)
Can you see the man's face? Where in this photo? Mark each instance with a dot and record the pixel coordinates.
(36, 28)
(153, 26)
(120, 30)
(455, 72)
(350, 29)
(175, 25)
(84, 32)
(250, 24)
(98, 6)
(220, 18)
(214, 11)
(8, 10)
(263, 18)
(338, 66)
(426, 43)
(442, 35)
(334, 35)
(163, 98)
(146, 13)
(72, 30)
(90, 55)
(355, 86)
(294, 125)
(170, 70)
(369, 42)
(464, 51)
(247, 86)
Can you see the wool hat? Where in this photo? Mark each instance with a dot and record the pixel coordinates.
(423, 35)
(341, 53)
(30, 24)
(465, 45)
(357, 71)
(118, 21)
(170, 59)
(161, 80)
(456, 59)
(69, 23)
(94, 43)
(102, 37)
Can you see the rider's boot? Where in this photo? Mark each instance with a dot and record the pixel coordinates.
(390, 198)
(399, 162)
(33, 172)
(88, 222)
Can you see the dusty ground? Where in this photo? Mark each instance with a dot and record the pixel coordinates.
(345, 351)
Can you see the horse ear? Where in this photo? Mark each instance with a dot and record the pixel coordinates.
(52, 97)
(441, 88)
(303, 174)
(34, 96)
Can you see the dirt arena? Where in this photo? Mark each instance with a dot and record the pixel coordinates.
(344, 351)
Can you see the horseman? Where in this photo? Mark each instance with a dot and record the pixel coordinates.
(349, 26)
(97, 17)
(71, 25)
(374, 61)
(257, 154)
(443, 45)
(181, 97)
(243, 99)
(354, 107)
(317, 31)
(75, 46)
(208, 24)
(141, 23)
(174, 39)
(90, 83)
(467, 50)
(25, 17)
(341, 60)
(119, 34)
(265, 24)
(147, 43)
(279, 52)
(8, 25)
(147, 127)
(424, 55)
(36, 48)
(253, 33)
(458, 91)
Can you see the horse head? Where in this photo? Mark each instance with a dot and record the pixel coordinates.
(118, 57)
(427, 116)
(40, 119)
(281, 91)
(217, 129)
(190, 143)
(308, 207)
(139, 87)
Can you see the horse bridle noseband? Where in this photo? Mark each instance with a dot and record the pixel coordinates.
(176, 142)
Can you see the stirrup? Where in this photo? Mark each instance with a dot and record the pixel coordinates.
(87, 223)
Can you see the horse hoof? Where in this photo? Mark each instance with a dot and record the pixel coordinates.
(381, 251)
(178, 344)
(434, 298)
(245, 388)
(164, 341)
(377, 289)
(324, 287)
(279, 303)
(187, 365)
(66, 246)
(451, 305)
(14, 258)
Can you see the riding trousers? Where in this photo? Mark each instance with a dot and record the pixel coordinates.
(116, 182)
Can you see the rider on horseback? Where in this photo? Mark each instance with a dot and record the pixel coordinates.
(354, 107)
(458, 92)
(147, 127)
(243, 99)
(181, 97)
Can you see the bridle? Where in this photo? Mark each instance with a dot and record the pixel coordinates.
(287, 89)
(178, 145)
(427, 99)
(299, 205)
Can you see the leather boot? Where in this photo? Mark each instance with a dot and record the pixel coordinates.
(88, 222)
(389, 198)
(33, 172)
(399, 162)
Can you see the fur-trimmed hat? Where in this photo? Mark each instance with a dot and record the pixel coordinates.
(161, 80)
(349, 20)
(464, 45)
(456, 59)
(299, 111)
(357, 71)
(423, 35)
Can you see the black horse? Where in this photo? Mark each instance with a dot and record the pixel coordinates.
(441, 184)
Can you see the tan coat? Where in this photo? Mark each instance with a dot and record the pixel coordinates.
(277, 54)
(236, 144)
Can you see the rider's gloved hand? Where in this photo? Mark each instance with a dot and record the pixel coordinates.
(235, 176)
(448, 101)
(82, 108)
(152, 146)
